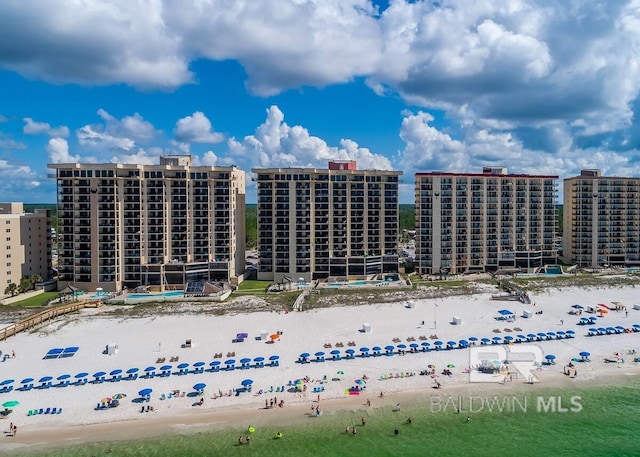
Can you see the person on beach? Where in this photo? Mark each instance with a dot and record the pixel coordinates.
(11, 427)
(240, 440)
(363, 421)
(15, 430)
(347, 429)
(368, 402)
(381, 395)
(354, 430)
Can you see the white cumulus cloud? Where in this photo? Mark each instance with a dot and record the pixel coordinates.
(58, 151)
(32, 127)
(196, 128)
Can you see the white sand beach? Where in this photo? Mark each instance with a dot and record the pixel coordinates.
(142, 341)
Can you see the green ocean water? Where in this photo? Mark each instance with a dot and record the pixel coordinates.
(590, 422)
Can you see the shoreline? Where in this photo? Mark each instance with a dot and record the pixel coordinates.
(238, 417)
(143, 340)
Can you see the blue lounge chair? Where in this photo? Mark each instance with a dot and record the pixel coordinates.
(54, 411)
(59, 411)
(53, 353)
(69, 352)
(47, 411)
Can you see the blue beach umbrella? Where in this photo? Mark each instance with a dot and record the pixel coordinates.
(200, 386)
(350, 351)
(45, 379)
(145, 392)
(508, 338)
(81, 375)
(115, 372)
(496, 338)
(7, 381)
(304, 355)
(550, 357)
(414, 345)
(560, 333)
(229, 362)
(522, 337)
(62, 377)
(246, 382)
(199, 364)
(389, 348)
(26, 380)
(261, 359)
(364, 349)
(165, 367)
(585, 354)
(485, 340)
(551, 334)
(150, 369)
(570, 333)
(182, 366)
(463, 343)
(425, 344)
(473, 338)
(317, 354)
(132, 370)
(99, 374)
(274, 357)
(335, 352)
(402, 346)
(451, 343)
(215, 363)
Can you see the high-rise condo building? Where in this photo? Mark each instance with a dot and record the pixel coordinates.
(601, 220)
(318, 223)
(489, 221)
(26, 248)
(129, 225)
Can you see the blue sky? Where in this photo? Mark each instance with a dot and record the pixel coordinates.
(539, 87)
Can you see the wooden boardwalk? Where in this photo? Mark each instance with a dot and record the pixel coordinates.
(45, 315)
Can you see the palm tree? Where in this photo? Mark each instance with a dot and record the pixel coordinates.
(35, 279)
(11, 289)
(25, 284)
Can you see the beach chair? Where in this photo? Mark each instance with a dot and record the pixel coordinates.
(54, 411)
(47, 411)
(59, 411)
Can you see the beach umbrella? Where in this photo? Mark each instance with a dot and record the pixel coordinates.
(431, 365)
(150, 369)
(451, 365)
(242, 335)
(485, 340)
(81, 375)
(304, 355)
(560, 333)
(340, 372)
(619, 327)
(414, 345)
(26, 381)
(451, 343)
(550, 357)
(335, 352)
(585, 354)
(106, 400)
(119, 396)
(182, 366)
(389, 348)
(359, 382)
(99, 374)
(115, 372)
(636, 325)
(145, 392)
(246, 382)
(7, 381)
(463, 343)
(577, 307)
(10, 403)
(376, 348)
(364, 349)
(551, 334)
(496, 338)
(132, 370)
(199, 364)
(508, 338)
(230, 362)
(274, 357)
(350, 351)
(531, 335)
(215, 363)
(45, 379)
(522, 337)
(274, 337)
(261, 359)
(317, 354)
(200, 386)
(402, 346)
(62, 377)
(165, 367)
(541, 334)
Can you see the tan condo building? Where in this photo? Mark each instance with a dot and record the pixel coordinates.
(489, 221)
(319, 223)
(26, 250)
(601, 220)
(162, 226)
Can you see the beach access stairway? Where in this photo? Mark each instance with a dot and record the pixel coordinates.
(513, 293)
(43, 316)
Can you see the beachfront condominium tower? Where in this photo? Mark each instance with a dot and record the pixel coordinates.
(319, 223)
(162, 226)
(601, 220)
(489, 221)
(26, 250)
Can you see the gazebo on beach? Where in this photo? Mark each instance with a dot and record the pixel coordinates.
(69, 290)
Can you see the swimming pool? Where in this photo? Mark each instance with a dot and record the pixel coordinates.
(169, 293)
(356, 283)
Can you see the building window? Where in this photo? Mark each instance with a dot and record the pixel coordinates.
(8, 230)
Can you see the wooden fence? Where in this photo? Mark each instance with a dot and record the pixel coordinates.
(43, 316)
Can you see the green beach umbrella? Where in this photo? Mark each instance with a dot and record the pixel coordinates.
(10, 403)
